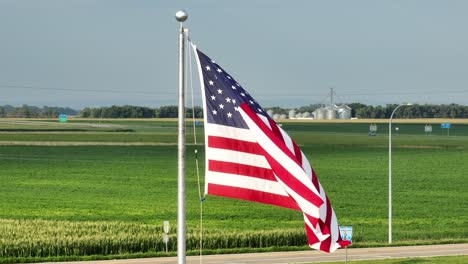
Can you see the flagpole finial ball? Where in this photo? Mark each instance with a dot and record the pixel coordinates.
(181, 15)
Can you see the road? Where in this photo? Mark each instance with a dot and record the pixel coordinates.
(305, 256)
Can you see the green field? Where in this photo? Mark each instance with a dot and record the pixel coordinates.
(110, 197)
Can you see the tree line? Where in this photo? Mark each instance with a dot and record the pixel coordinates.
(410, 111)
(358, 110)
(27, 111)
(129, 111)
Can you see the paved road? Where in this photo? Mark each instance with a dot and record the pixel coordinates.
(305, 256)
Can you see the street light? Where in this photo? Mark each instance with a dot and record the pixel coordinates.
(390, 173)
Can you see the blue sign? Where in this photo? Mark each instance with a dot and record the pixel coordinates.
(63, 118)
(346, 233)
(445, 125)
(197, 123)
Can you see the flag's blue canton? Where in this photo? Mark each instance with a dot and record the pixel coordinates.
(224, 95)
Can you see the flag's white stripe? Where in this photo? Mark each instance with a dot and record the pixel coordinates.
(246, 182)
(316, 230)
(306, 166)
(278, 154)
(316, 245)
(229, 132)
(237, 157)
(287, 140)
(323, 208)
(265, 120)
(334, 229)
(305, 205)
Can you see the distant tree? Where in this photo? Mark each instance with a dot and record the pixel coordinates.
(168, 111)
(355, 107)
(308, 108)
(85, 112)
(198, 112)
(278, 110)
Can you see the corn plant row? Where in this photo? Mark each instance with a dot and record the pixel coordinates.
(44, 238)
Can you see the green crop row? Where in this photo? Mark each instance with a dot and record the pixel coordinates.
(44, 238)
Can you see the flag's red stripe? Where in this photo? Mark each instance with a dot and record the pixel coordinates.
(313, 220)
(315, 180)
(325, 245)
(252, 195)
(293, 183)
(278, 141)
(241, 169)
(282, 173)
(234, 144)
(297, 152)
(254, 148)
(343, 243)
(275, 129)
(328, 217)
(311, 236)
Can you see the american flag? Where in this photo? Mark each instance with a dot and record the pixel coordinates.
(249, 157)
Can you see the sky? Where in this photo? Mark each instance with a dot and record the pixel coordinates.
(90, 53)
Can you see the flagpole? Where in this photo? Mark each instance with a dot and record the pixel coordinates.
(181, 16)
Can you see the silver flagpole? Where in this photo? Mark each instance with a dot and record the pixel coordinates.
(181, 16)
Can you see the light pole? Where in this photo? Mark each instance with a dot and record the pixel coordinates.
(390, 173)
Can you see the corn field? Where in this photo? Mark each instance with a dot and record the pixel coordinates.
(43, 238)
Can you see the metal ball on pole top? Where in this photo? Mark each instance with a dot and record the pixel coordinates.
(390, 172)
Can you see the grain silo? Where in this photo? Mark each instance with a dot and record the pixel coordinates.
(320, 113)
(330, 112)
(292, 113)
(344, 111)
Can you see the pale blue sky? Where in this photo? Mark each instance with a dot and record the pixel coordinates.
(286, 53)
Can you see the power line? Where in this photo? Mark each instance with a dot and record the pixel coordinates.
(258, 94)
(78, 90)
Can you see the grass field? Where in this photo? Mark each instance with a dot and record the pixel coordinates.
(111, 199)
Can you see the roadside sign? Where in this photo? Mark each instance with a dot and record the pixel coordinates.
(166, 233)
(372, 130)
(63, 118)
(346, 233)
(166, 240)
(447, 126)
(428, 129)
